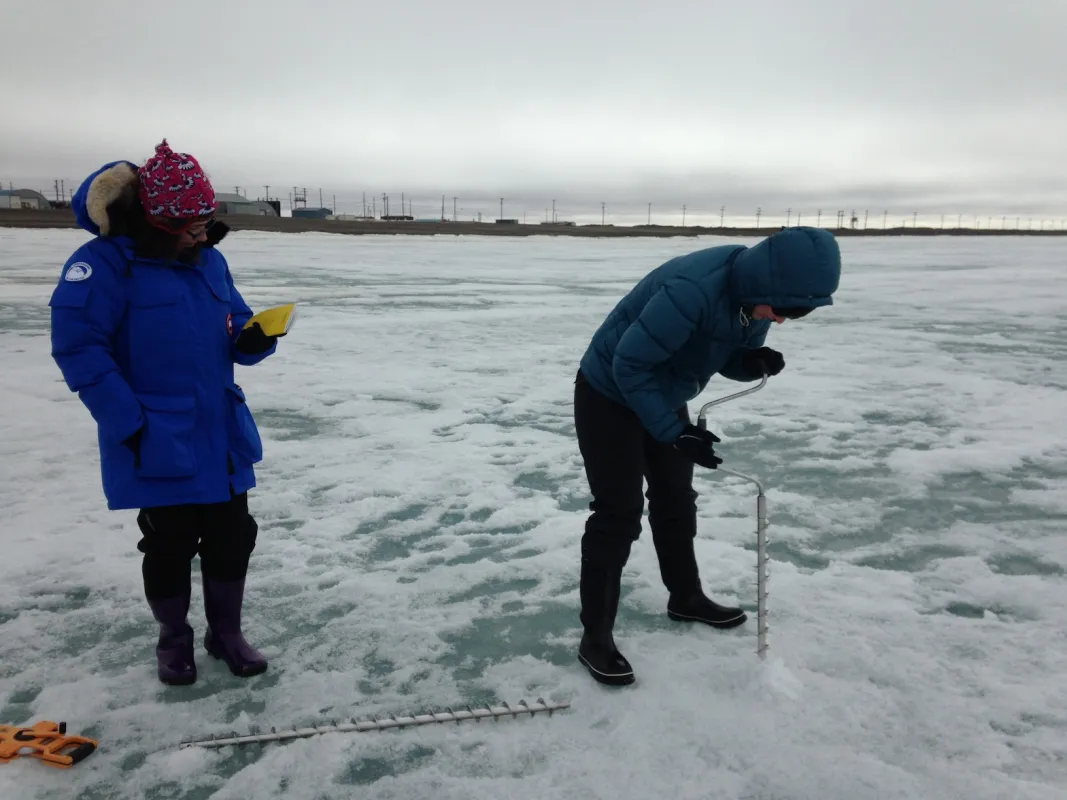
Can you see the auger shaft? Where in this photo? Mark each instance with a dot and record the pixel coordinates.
(762, 575)
(393, 721)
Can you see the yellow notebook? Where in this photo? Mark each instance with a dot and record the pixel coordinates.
(275, 321)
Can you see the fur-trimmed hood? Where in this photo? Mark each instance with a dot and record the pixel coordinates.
(114, 181)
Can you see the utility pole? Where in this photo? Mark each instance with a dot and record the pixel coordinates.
(865, 213)
(501, 208)
(442, 208)
(683, 216)
(885, 218)
(818, 219)
(602, 204)
(453, 208)
(266, 191)
(758, 212)
(649, 213)
(364, 203)
(553, 211)
(722, 215)
(788, 216)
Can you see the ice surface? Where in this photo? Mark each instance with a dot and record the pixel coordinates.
(421, 506)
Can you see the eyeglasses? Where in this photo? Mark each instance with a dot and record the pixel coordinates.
(180, 226)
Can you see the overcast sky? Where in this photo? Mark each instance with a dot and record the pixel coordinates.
(927, 105)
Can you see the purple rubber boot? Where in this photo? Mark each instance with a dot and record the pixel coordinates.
(174, 650)
(222, 605)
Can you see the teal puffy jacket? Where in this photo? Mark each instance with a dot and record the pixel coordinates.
(683, 322)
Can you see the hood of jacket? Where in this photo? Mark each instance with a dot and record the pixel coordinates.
(796, 267)
(109, 183)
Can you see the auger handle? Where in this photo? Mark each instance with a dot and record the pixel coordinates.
(702, 421)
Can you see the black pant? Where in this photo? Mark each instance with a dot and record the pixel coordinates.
(619, 455)
(224, 534)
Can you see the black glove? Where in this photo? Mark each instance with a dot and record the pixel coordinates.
(253, 341)
(696, 445)
(133, 443)
(762, 359)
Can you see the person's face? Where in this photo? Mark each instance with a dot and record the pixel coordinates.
(194, 235)
(191, 241)
(766, 312)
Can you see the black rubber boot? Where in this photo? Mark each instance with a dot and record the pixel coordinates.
(695, 607)
(600, 588)
(687, 603)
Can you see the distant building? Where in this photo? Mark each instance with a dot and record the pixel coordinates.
(236, 204)
(26, 199)
(312, 213)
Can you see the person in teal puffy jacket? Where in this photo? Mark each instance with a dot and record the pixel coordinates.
(146, 327)
(698, 315)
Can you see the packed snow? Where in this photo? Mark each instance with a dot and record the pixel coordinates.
(422, 501)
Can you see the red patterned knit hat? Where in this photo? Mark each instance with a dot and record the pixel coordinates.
(173, 188)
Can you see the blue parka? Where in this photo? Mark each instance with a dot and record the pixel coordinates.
(683, 322)
(148, 343)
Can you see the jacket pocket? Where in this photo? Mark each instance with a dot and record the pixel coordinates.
(167, 448)
(161, 333)
(246, 447)
(216, 281)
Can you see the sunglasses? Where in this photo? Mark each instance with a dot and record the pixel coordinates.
(791, 312)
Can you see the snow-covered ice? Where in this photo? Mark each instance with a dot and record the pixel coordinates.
(421, 506)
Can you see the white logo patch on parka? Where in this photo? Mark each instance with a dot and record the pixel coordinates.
(78, 272)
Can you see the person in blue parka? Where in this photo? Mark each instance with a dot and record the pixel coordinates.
(698, 315)
(146, 327)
